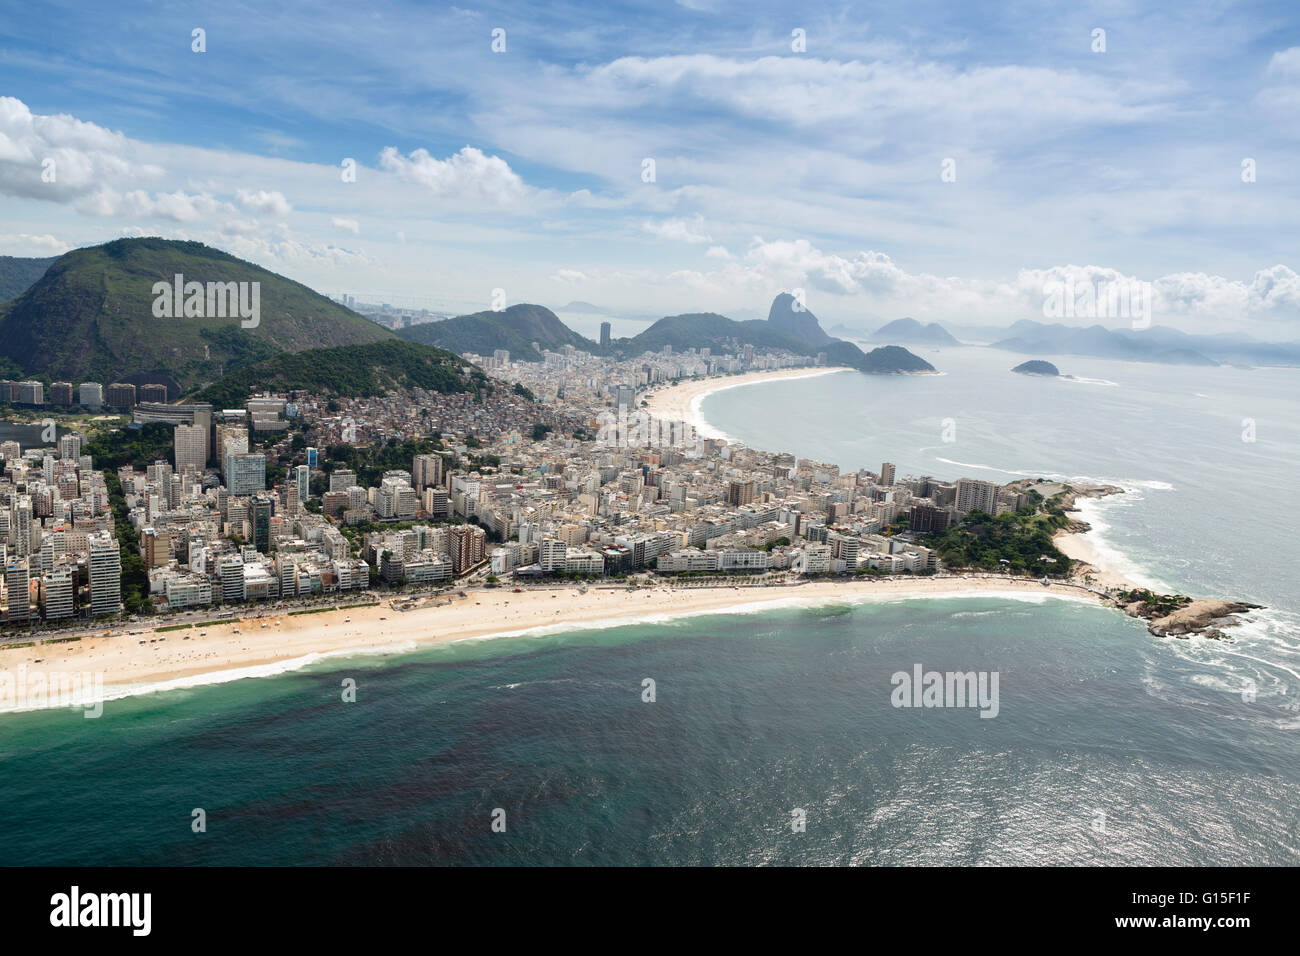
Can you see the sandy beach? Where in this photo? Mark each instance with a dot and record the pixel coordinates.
(681, 402)
(1082, 547)
(216, 653)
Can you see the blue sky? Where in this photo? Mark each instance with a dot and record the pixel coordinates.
(775, 169)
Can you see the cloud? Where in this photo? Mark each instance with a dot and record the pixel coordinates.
(346, 225)
(571, 276)
(60, 158)
(29, 246)
(678, 230)
(263, 202)
(468, 174)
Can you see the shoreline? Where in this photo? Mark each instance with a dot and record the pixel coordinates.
(152, 661)
(681, 401)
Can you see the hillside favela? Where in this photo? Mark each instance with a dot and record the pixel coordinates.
(702, 437)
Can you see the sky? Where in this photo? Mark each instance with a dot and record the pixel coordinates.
(954, 162)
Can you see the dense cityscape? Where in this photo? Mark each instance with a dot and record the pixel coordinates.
(560, 471)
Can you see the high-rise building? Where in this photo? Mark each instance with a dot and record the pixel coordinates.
(18, 589)
(247, 474)
(61, 393)
(887, 474)
(260, 518)
(20, 527)
(426, 471)
(157, 547)
(153, 393)
(468, 545)
(57, 593)
(231, 440)
(70, 447)
(191, 446)
(121, 395)
(313, 457)
(975, 495)
(341, 479)
(105, 574)
(302, 478)
(91, 394)
(925, 518)
(31, 393)
(624, 396)
(605, 333)
(740, 492)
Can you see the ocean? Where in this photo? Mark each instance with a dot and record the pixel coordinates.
(772, 737)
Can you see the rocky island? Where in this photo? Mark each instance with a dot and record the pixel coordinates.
(1037, 367)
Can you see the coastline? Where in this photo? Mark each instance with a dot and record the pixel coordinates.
(153, 661)
(681, 401)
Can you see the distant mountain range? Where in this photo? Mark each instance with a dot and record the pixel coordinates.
(803, 336)
(1036, 338)
(17, 275)
(91, 317)
(908, 331)
(525, 330)
(522, 329)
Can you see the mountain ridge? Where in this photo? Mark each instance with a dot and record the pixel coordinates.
(92, 316)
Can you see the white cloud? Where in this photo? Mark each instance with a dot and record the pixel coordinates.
(346, 225)
(678, 230)
(31, 246)
(571, 276)
(263, 202)
(468, 174)
(60, 158)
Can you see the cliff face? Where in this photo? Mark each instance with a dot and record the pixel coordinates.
(802, 325)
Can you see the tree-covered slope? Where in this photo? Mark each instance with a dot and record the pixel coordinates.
(91, 316)
(351, 371)
(522, 329)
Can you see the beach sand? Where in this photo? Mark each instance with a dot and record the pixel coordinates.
(135, 663)
(1081, 547)
(681, 402)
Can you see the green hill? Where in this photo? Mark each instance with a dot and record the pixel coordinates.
(518, 329)
(91, 316)
(17, 275)
(349, 371)
(721, 334)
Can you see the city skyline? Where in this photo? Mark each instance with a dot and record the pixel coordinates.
(861, 154)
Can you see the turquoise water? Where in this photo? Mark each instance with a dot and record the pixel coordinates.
(1109, 746)
(754, 716)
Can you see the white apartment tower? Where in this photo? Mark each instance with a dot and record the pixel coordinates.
(105, 574)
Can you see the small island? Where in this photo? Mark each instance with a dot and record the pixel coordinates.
(1037, 367)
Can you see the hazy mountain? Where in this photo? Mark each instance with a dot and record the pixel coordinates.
(522, 329)
(1036, 338)
(908, 331)
(721, 334)
(91, 316)
(17, 275)
(800, 323)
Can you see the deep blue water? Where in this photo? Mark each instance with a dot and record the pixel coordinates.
(1109, 746)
